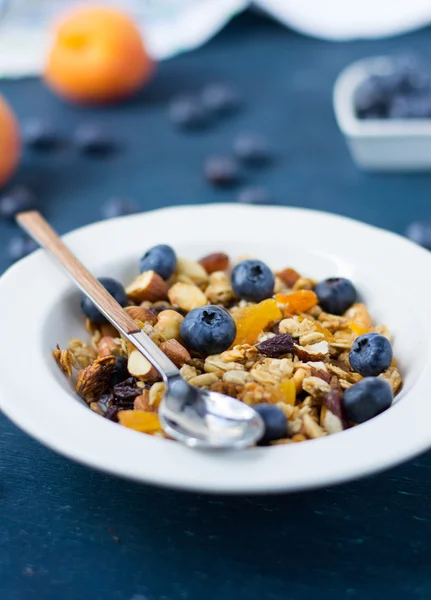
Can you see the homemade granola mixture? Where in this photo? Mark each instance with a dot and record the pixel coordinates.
(309, 372)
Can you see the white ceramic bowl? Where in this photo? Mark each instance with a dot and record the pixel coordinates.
(40, 307)
(379, 144)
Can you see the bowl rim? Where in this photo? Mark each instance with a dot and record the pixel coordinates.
(111, 448)
(344, 90)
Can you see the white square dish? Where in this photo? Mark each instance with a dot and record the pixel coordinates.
(379, 144)
(42, 309)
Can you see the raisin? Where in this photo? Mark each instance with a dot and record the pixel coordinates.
(112, 414)
(126, 391)
(276, 346)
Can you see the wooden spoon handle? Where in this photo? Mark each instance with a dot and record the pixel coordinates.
(39, 229)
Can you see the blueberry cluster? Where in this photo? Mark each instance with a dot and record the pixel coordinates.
(402, 93)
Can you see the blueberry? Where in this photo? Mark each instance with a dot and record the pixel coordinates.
(252, 149)
(118, 207)
(367, 399)
(39, 134)
(420, 232)
(208, 330)
(187, 112)
(92, 140)
(220, 98)
(409, 107)
(275, 422)
(222, 171)
(336, 295)
(161, 259)
(254, 195)
(120, 372)
(371, 354)
(20, 246)
(252, 280)
(114, 288)
(371, 98)
(17, 200)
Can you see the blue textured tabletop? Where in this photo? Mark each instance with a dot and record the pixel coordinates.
(67, 533)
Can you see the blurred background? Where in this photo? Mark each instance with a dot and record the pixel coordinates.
(115, 108)
(169, 102)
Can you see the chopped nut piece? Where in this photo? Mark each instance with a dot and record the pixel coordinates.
(186, 296)
(139, 313)
(330, 422)
(142, 402)
(314, 352)
(219, 290)
(218, 261)
(108, 345)
(188, 372)
(168, 325)
(194, 271)
(94, 379)
(147, 286)
(289, 277)
(140, 367)
(176, 352)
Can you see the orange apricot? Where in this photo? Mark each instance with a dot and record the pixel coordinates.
(10, 144)
(97, 56)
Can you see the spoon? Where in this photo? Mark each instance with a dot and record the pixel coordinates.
(198, 418)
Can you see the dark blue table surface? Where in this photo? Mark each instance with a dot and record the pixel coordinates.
(67, 533)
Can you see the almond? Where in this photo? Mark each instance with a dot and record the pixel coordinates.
(142, 402)
(289, 277)
(186, 296)
(138, 366)
(191, 269)
(168, 325)
(176, 352)
(148, 286)
(139, 313)
(218, 261)
(108, 330)
(107, 345)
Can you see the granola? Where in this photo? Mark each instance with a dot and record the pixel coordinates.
(287, 350)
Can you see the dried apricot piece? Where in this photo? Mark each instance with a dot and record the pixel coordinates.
(357, 328)
(285, 392)
(139, 420)
(251, 320)
(297, 302)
